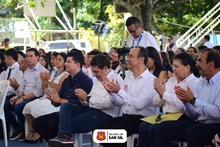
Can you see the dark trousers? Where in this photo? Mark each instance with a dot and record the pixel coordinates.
(79, 119)
(196, 134)
(128, 122)
(17, 109)
(200, 134)
(47, 125)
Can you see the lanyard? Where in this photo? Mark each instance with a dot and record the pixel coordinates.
(55, 75)
(139, 39)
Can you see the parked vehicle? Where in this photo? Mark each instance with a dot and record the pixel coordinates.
(20, 47)
(63, 45)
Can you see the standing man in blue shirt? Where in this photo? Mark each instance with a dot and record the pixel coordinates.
(203, 108)
(47, 125)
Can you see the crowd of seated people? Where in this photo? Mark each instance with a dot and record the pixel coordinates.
(61, 94)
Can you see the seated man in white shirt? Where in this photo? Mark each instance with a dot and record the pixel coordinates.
(103, 105)
(28, 91)
(12, 73)
(137, 95)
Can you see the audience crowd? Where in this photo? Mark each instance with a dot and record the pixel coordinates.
(61, 94)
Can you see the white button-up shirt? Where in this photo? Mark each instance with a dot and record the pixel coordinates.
(32, 82)
(138, 94)
(15, 74)
(170, 102)
(101, 99)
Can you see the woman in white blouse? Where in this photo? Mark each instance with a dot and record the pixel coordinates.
(183, 68)
(43, 106)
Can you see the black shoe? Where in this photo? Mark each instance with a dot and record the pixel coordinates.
(35, 140)
(62, 140)
(16, 134)
(21, 138)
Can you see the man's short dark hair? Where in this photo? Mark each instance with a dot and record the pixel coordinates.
(142, 53)
(100, 61)
(212, 55)
(13, 53)
(77, 57)
(207, 37)
(6, 39)
(94, 52)
(170, 36)
(36, 53)
(21, 53)
(132, 21)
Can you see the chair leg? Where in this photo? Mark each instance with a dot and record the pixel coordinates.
(78, 140)
(4, 130)
(26, 128)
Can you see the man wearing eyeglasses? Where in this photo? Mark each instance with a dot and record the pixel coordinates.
(138, 36)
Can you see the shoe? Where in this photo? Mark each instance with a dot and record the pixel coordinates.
(62, 140)
(16, 134)
(21, 138)
(34, 140)
(29, 136)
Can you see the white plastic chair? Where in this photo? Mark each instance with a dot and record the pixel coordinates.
(78, 140)
(4, 84)
(130, 140)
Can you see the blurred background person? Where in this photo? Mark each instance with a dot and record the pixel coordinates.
(41, 51)
(44, 61)
(21, 57)
(206, 41)
(170, 45)
(154, 64)
(179, 50)
(3, 66)
(7, 44)
(166, 62)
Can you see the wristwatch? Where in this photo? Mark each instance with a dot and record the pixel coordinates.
(192, 102)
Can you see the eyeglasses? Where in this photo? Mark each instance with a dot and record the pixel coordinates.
(133, 30)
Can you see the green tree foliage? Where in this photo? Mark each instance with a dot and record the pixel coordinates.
(158, 16)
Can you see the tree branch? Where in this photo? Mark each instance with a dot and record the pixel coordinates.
(157, 8)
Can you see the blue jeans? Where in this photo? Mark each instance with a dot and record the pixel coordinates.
(146, 133)
(10, 118)
(78, 119)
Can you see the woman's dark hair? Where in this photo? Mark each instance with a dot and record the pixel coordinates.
(171, 56)
(185, 60)
(153, 54)
(40, 49)
(194, 49)
(46, 59)
(64, 56)
(165, 57)
(54, 54)
(182, 50)
(3, 66)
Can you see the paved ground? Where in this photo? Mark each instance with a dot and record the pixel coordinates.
(86, 143)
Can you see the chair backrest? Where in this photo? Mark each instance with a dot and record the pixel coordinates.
(4, 85)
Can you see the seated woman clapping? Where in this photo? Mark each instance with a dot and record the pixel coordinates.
(43, 105)
(183, 68)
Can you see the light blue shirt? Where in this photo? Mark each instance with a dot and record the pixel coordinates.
(32, 81)
(207, 105)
